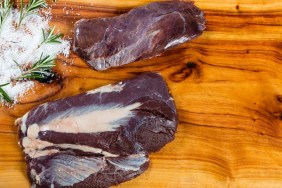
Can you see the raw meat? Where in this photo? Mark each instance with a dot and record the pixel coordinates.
(142, 33)
(99, 138)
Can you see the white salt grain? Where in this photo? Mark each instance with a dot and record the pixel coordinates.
(22, 45)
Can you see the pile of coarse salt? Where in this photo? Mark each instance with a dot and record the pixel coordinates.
(23, 46)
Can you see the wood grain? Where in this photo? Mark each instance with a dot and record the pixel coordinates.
(227, 86)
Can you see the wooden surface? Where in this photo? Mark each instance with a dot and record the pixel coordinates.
(229, 97)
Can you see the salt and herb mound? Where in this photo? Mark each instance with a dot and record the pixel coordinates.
(21, 47)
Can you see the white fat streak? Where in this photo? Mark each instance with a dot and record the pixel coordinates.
(77, 31)
(35, 148)
(18, 121)
(44, 106)
(32, 173)
(23, 124)
(86, 149)
(132, 162)
(108, 89)
(92, 122)
(177, 41)
(33, 131)
(67, 170)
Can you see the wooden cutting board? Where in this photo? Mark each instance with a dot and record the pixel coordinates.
(227, 86)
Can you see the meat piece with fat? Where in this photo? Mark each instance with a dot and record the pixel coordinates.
(141, 33)
(99, 138)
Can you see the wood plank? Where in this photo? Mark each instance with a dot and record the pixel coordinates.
(227, 86)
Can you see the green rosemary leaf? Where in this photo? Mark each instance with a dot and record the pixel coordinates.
(45, 62)
(35, 4)
(43, 34)
(29, 8)
(18, 65)
(21, 13)
(51, 37)
(6, 7)
(4, 95)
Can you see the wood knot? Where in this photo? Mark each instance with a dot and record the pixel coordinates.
(191, 65)
(237, 7)
(279, 98)
(184, 72)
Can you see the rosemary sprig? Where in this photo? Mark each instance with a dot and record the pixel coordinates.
(6, 7)
(40, 69)
(51, 37)
(18, 65)
(4, 95)
(32, 5)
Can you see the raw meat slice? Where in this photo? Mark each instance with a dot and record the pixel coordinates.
(99, 138)
(142, 33)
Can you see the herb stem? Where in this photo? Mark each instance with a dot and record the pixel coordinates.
(50, 37)
(5, 9)
(4, 95)
(32, 5)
